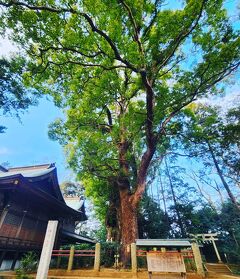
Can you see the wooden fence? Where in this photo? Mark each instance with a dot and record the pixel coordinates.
(72, 253)
(77, 253)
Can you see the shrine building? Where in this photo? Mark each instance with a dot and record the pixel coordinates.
(29, 198)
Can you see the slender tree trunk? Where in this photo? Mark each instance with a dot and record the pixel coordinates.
(164, 202)
(158, 197)
(128, 224)
(219, 171)
(163, 195)
(203, 193)
(219, 192)
(234, 237)
(180, 223)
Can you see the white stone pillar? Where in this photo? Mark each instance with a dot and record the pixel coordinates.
(46, 254)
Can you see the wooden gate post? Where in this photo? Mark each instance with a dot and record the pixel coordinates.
(71, 257)
(198, 259)
(59, 258)
(97, 257)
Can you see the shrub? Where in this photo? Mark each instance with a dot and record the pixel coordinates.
(28, 264)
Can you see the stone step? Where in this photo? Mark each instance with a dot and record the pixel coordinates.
(218, 268)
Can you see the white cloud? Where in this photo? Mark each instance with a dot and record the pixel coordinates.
(4, 151)
(230, 100)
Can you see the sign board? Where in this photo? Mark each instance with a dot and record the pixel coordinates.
(46, 254)
(165, 262)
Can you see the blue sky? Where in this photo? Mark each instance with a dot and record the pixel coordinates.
(27, 142)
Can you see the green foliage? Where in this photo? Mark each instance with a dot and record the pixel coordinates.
(226, 222)
(28, 264)
(14, 97)
(230, 225)
(152, 221)
(190, 265)
(100, 235)
(108, 250)
(196, 221)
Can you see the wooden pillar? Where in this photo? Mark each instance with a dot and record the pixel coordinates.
(3, 216)
(71, 257)
(14, 260)
(198, 259)
(97, 257)
(134, 257)
(2, 256)
(59, 258)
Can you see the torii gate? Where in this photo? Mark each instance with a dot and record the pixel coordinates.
(211, 237)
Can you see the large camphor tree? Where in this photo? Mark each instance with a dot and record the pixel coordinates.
(123, 70)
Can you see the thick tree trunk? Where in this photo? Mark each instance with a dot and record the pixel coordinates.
(130, 195)
(128, 225)
(112, 218)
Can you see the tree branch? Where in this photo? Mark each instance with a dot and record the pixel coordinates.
(152, 21)
(110, 42)
(225, 72)
(135, 27)
(180, 38)
(84, 15)
(109, 116)
(86, 64)
(39, 8)
(70, 49)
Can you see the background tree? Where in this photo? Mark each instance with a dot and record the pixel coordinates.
(14, 97)
(208, 136)
(72, 189)
(230, 234)
(153, 222)
(123, 70)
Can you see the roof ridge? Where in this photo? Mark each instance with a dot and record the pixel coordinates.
(47, 166)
